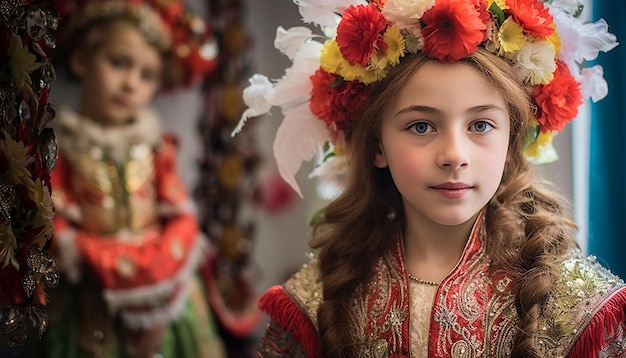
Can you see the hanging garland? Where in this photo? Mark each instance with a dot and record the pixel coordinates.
(227, 171)
(28, 153)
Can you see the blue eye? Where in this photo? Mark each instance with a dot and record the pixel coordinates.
(481, 126)
(421, 127)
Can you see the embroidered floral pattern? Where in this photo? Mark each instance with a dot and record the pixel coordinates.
(474, 313)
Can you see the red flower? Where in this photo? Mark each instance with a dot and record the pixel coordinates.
(532, 16)
(360, 33)
(453, 29)
(558, 100)
(336, 103)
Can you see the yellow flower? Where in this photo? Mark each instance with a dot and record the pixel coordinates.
(45, 213)
(535, 149)
(501, 4)
(17, 158)
(362, 74)
(8, 247)
(23, 62)
(555, 39)
(331, 58)
(395, 45)
(511, 36)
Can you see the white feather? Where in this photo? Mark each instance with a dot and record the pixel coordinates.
(299, 137)
(290, 41)
(324, 12)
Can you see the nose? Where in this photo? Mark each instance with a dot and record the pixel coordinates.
(132, 79)
(453, 151)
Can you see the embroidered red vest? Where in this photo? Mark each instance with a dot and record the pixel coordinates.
(473, 314)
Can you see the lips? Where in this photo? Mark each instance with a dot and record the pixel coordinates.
(120, 101)
(452, 190)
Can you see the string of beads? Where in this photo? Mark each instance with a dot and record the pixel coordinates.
(424, 282)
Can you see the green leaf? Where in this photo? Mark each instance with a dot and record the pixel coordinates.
(494, 8)
(318, 217)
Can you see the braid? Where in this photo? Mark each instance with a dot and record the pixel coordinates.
(531, 233)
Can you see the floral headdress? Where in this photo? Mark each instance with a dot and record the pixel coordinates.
(166, 23)
(326, 87)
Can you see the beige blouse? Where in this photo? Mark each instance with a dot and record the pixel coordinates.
(422, 297)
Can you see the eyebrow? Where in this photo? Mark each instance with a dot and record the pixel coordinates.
(473, 110)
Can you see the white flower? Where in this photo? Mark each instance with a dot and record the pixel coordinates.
(323, 12)
(535, 62)
(593, 84)
(582, 41)
(413, 39)
(331, 173)
(295, 86)
(406, 13)
(569, 6)
(255, 97)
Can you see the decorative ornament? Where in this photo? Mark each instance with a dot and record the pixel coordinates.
(27, 156)
(228, 170)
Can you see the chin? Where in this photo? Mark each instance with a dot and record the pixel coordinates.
(455, 218)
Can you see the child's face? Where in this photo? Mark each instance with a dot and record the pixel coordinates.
(445, 139)
(120, 77)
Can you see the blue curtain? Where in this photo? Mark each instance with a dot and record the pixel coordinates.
(607, 181)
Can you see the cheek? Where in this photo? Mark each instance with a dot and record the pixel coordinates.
(408, 169)
(492, 167)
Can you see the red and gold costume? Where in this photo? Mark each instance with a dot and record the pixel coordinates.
(472, 315)
(125, 233)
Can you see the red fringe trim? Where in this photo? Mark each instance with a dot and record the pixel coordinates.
(288, 315)
(602, 325)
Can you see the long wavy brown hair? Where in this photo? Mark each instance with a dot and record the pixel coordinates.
(528, 226)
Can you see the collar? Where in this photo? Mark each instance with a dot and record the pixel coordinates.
(77, 132)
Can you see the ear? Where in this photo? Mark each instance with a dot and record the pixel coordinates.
(78, 63)
(380, 161)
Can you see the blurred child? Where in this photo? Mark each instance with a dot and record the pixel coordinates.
(441, 243)
(126, 240)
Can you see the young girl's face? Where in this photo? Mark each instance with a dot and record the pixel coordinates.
(445, 139)
(120, 77)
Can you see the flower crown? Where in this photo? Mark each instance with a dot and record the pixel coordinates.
(325, 89)
(165, 23)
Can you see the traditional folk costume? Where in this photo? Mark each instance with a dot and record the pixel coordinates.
(126, 241)
(469, 314)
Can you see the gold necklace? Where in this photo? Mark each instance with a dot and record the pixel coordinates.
(425, 282)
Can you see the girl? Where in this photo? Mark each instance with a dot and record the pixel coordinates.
(125, 239)
(441, 243)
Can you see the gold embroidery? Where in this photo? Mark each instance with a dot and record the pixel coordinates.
(114, 196)
(474, 310)
(577, 296)
(380, 349)
(278, 342)
(460, 349)
(306, 289)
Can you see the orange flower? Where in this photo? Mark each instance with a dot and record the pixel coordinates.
(558, 101)
(453, 29)
(334, 101)
(380, 3)
(532, 16)
(360, 33)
